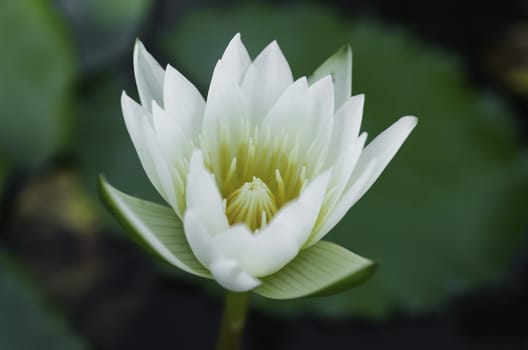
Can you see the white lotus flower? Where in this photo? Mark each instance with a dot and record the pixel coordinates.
(259, 172)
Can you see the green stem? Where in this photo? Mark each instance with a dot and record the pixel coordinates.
(233, 321)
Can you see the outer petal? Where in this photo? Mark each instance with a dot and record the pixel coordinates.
(339, 66)
(321, 111)
(267, 251)
(177, 148)
(266, 79)
(347, 200)
(149, 76)
(373, 160)
(203, 196)
(340, 174)
(346, 127)
(145, 143)
(383, 148)
(173, 139)
(236, 58)
(183, 103)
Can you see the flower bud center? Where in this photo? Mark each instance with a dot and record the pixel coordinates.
(252, 203)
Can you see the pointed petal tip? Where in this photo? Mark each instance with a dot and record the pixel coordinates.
(345, 50)
(409, 120)
(327, 79)
(360, 96)
(303, 81)
(126, 101)
(272, 47)
(138, 47)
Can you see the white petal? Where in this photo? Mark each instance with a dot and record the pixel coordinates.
(183, 102)
(341, 172)
(236, 58)
(226, 109)
(321, 111)
(383, 148)
(290, 110)
(137, 123)
(347, 123)
(228, 274)
(203, 196)
(347, 200)
(176, 147)
(267, 251)
(199, 239)
(374, 158)
(226, 271)
(149, 76)
(346, 162)
(339, 66)
(172, 138)
(266, 79)
(160, 162)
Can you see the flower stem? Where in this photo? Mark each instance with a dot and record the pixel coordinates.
(233, 321)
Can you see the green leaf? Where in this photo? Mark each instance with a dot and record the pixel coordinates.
(155, 225)
(37, 69)
(448, 213)
(322, 269)
(26, 321)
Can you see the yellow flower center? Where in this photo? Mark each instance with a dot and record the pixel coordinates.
(258, 171)
(252, 203)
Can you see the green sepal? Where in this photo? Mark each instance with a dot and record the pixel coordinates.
(322, 269)
(156, 227)
(339, 67)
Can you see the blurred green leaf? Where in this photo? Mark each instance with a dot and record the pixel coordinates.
(25, 322)
(104, 29)
(448, 213)
(36, 70)
(103, 145)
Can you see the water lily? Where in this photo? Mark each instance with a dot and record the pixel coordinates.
(257, 174)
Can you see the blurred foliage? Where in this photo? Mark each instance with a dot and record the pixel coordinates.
(449, 212)
(26, 323)
(509, 58)
(103, 29)
(37, 68)
(3, 175)
(103, 145)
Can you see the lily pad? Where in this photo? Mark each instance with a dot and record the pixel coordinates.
(448, 213)
(104, 29)
(26, 322)
(37, 69)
